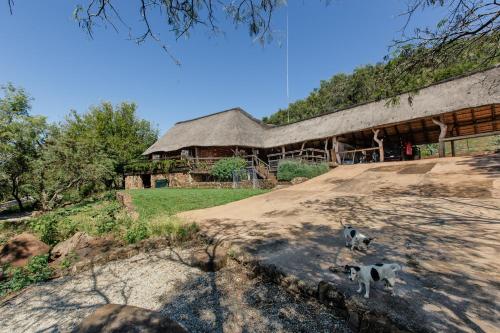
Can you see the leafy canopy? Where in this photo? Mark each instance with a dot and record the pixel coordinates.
(384, 80)
(21, 138)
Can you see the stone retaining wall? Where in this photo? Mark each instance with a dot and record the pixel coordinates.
(185, 180)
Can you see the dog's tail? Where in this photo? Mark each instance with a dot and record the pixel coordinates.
(342, 224)
(396, 267)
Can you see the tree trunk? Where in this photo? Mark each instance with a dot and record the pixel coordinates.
(380, 143)
(15, 193)
(442, 135)
(19, 201)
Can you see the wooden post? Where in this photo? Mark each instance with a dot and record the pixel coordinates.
(452, 148)
(283, 152)
(442, 134)
(380, 143)
(302, 147)
(335, 149)
(326, 151)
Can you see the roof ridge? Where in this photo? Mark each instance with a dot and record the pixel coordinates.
(237, 109)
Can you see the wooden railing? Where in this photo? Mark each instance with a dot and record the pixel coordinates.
(364, 155)
(308, 154)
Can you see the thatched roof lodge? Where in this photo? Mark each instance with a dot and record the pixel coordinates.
(462, 107)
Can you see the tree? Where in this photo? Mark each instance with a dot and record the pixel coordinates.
(384, 80)
(470, 26)
(122, 137)
(21, 138)
(67, 164)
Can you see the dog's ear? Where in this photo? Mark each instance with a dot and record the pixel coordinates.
(357, 268)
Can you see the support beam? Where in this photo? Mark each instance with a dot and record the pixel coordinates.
(326, 151)
(283, 152)
(302, 148)
(335, 150)
(442, 134)
(452, 148)
(380, 143)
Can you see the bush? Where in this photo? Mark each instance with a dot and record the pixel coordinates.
(173, 228)
(137, 232)
(224, 168)
(46, 227)
(37, 270)
(288, 170)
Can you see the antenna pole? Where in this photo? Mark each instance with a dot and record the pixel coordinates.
(287, 84)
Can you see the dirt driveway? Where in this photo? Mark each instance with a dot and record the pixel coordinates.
(439, 218)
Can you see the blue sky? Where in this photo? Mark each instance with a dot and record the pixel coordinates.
(44, 51)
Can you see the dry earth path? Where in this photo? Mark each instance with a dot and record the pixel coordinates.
(439, 218)
(223, 301)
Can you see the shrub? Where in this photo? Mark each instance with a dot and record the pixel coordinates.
(37, 270)
(288, 170)
(137, 232)
(173, 228)
(46, 227)
(224, 168)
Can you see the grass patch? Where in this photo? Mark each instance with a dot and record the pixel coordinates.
(151, 203)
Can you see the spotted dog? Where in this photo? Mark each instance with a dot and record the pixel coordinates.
(354, 238)
(365, 275)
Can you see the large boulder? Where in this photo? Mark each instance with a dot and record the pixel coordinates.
(114, 318)
(19, 249)
(77, 241)
(81, 245)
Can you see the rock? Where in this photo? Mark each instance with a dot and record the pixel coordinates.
(298, 180)
(77, 241)
(19, 249)
(114, 318)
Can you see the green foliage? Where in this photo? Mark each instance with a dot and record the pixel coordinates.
(94, 218)
(287, 170)
(137, 232)
(155, 166)
(173, 228)
(68, 260)
(21, 137)
(120, 134)
(223, 169)
(47, 228)
(384, 80)
(37, 270)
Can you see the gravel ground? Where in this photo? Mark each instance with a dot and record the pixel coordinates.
(224, 301)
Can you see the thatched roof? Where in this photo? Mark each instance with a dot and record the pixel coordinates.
(235, 127)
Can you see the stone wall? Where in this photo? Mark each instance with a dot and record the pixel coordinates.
(176, 179)
(133, 182)
(261, 183)
(185, 180)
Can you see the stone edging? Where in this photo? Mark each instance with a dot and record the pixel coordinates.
(360, 318)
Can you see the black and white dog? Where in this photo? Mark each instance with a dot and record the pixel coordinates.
(365, 275)
(354, 238)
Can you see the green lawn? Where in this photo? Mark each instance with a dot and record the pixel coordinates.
(150, 203)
